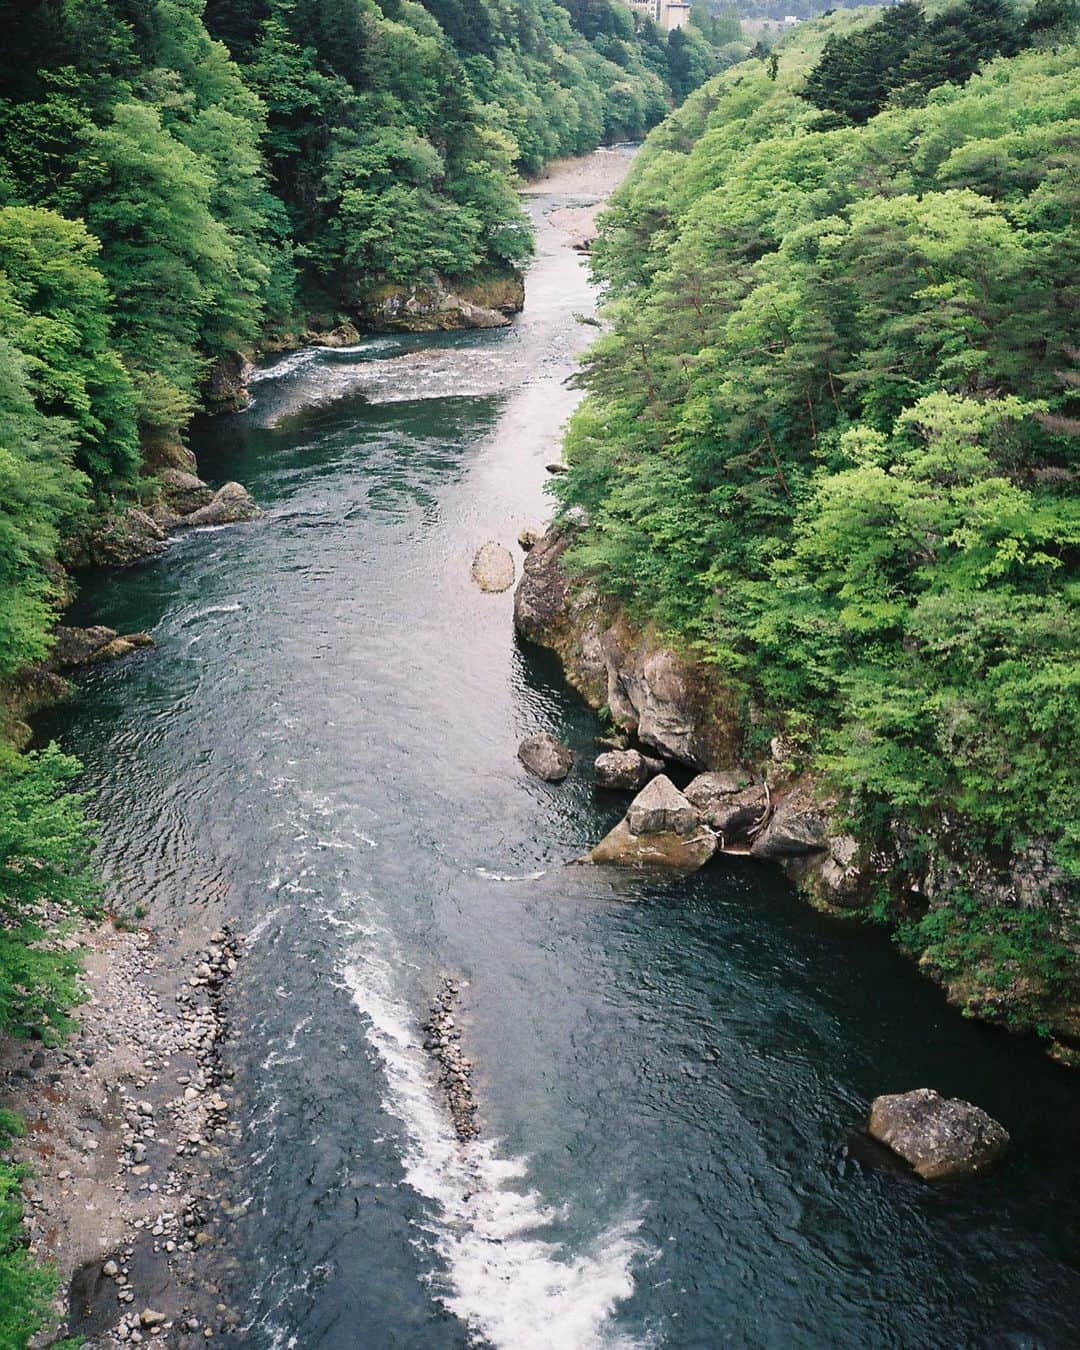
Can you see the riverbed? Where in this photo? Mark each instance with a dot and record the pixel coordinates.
(670, 1076)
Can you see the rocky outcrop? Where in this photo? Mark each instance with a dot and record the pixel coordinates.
(226, 389)
(737, 817)
(673, 852)
(74, 647)
(230, 505)
(184, 502)
(661, 829)
(798, 825)
(120, 540)
(344, 335)
(493, 567)
(660, 808)
(182, 492)
(433, 305)
(625, 770)
(940, 1137)
(546, 757)
(669, 702)
(527, 537)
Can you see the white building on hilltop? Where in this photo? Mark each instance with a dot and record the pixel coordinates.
(669, 14)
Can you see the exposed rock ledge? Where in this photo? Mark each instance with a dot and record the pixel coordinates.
(435, 306)
(677, 706)
(183, 502)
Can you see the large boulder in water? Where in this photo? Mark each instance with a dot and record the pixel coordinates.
(230, 504)
(660, 808)
(625, 770)
(493, 567)
(939, 1136)
(661, 829)
(546, 757)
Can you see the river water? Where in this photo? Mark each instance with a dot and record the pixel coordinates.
(321, 748)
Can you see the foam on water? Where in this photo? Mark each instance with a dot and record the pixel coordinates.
(512, 1287)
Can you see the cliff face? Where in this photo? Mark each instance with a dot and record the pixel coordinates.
(676, 704)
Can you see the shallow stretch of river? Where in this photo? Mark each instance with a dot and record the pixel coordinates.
(321, 747)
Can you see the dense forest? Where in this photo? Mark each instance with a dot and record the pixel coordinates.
(182, 180)
(829, 445)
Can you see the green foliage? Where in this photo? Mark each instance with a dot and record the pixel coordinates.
(902, 56)
(1007, 962)
(44, 842)
(44, 845)
(40, 493)
(26, 1289)
(58, 317)
(830, 441)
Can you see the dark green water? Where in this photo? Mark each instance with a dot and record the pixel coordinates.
(322, 747)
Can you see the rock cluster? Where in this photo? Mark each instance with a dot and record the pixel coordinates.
(184, 502)
(443, 1040)
(665, 701)
(661, 829)
(229, 505)
(546, 757)
(941, 1137)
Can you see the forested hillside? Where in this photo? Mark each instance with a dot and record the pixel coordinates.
(830, 446)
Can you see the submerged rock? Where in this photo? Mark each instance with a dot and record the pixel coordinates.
(231, 504)
(939, 1136)
(493, 567)
(546, 757)
(625, 770)
(661, 829)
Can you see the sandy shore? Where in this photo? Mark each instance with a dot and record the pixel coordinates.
(122, 1121)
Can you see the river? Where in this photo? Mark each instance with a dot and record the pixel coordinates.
(670, 1075)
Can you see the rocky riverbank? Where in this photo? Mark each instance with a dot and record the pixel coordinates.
(674, 704)
(122, 1121)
